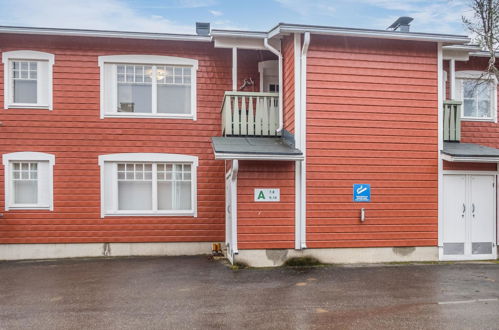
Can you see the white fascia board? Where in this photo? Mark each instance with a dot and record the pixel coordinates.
(102, 34)
(239, 42)
(224, 156)
(472, 159)
(324, 30)
(239, 34)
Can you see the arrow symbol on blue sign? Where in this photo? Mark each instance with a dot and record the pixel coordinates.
(361, 189)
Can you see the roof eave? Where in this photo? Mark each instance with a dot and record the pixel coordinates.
(257, 156)
(469, 159)
(443, 38)
(103, 34)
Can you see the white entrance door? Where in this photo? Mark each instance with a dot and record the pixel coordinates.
(482, 215)
(469, 217)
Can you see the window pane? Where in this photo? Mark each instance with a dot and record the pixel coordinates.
(174, 99)
(484, 109)
(469, 88)
(165, 195)
(26, 192)
(134, 88)
(183, 198)
(469, 107)
(25, 91)
(135, 195)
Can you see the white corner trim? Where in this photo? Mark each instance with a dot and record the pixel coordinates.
(440, 144)
(148, 157)
(148, 59)
(151, 60)
(27, 55)
(28, 156)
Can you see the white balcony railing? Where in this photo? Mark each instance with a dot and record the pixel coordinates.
(250, 114)
(452, 121)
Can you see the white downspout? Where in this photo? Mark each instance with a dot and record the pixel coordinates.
(440, 97)
(303, 136)
(279, 55)
(233, 182)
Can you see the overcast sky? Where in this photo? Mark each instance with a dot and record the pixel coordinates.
(179, 16)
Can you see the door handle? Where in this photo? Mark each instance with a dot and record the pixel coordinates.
(464, 210)
(473, 209)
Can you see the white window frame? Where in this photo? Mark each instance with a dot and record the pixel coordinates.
(10, 158)
(146, 158)
(110, 87)
(476, 75)
(44, 83)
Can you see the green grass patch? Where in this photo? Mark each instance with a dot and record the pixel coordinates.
(302, 262)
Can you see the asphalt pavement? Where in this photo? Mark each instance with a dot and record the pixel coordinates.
(199, 293)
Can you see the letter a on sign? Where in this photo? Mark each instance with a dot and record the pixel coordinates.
(261, 195)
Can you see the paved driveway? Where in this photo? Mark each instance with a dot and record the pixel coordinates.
(196, 293)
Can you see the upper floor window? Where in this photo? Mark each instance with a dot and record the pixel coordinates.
(148, 86)
(478, 92)
(28, 79)
(28, 180)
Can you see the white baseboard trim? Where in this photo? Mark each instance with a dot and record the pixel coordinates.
(274, 258)
(77, 250)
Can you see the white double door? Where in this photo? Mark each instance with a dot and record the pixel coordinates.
(469, 217)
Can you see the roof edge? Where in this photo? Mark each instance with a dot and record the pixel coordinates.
(356, 32)
(102, 33)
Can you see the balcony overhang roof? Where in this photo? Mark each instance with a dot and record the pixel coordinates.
(254, 148)
(469, 152)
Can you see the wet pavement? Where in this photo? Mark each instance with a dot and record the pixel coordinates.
(198, 293)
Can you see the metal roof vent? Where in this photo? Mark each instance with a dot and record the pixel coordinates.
(401, 24)
(203, 29)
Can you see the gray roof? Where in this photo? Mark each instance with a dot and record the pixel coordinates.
(471, 150)
(241, 147)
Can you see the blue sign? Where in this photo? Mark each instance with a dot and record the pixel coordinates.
(361, 192)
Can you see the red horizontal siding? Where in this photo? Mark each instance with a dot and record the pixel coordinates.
(371, 118)
(76, 135)
(265, 225)
(288, 58)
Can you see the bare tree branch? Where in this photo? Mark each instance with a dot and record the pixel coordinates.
(484, 25)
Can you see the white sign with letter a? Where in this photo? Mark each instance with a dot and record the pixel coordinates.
(267, 195)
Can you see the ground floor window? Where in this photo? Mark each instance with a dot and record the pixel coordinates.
(148, 184)
(28, 180)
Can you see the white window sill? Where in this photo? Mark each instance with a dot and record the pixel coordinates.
(149, 115)
(29, 207)
(491, 120)
(188, 213)
(28, 106)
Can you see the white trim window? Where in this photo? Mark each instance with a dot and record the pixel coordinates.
(148, 86)
(28, 79)
(478, 92)
(147, 184)
(28, 180)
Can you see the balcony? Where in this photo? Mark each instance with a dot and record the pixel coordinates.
(250, 114)
(452, 121)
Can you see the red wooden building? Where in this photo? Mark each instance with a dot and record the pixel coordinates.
(348, 145)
